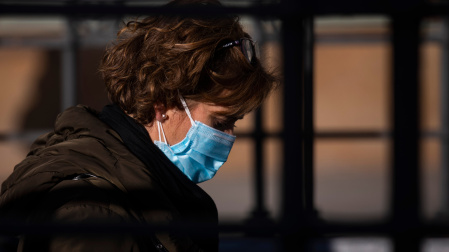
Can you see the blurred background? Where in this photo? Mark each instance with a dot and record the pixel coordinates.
(48, 63)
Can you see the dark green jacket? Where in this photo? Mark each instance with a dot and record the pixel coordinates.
(84, 173)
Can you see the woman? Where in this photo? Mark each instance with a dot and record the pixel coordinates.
(178, 85)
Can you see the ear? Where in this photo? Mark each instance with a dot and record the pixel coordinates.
(160, 112)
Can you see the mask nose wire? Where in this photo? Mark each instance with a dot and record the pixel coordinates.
(184, 104)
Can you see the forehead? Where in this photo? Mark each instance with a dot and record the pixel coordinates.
(209, 109)
(214, 110)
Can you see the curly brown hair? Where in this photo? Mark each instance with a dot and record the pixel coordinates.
(160, 56)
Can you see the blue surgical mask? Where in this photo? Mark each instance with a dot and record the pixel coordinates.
(201, 153)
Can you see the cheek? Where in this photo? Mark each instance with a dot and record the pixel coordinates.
(177, 128)
(182, 130)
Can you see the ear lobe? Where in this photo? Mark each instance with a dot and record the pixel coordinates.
(160, 112)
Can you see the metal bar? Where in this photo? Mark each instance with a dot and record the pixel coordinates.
(259, 214)
(324, 7)
(308, 118)
(293, 176)
(331, 39)
(444, 117)
(105, 10)
(258, 142)
(324, 135)
(405, 174)
(330, 229)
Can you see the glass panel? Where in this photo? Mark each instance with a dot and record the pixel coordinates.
(273, 151)
(23, 72)
(27, 28)
(352, 244)
(431, 56)
(357, 244)
(351, 179)
(352, 74)
(435, 245)
(431, 177)
(273, 113)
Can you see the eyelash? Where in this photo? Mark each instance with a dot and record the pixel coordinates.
(220, 125)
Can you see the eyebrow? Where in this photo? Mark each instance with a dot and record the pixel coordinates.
(226, 119)
(222, 116)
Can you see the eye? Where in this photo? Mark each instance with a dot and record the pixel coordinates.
(223, 125)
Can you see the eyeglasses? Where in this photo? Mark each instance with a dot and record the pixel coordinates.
(249, 48)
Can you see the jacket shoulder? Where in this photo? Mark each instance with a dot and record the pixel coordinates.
(83, 204)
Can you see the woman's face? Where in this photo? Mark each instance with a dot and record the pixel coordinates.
(177, 123)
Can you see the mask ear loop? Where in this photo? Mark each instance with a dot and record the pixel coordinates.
(184, 104)
(159, 129)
